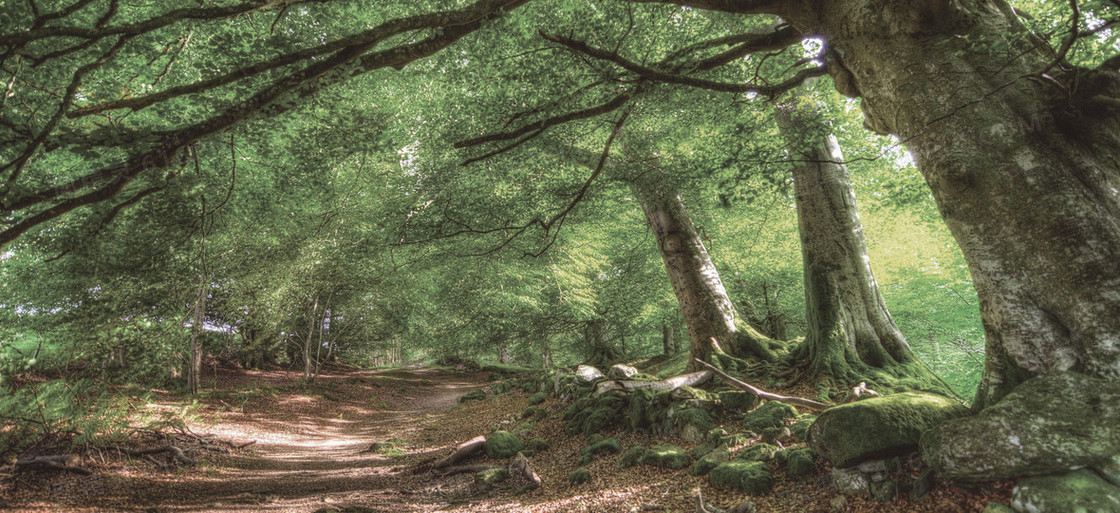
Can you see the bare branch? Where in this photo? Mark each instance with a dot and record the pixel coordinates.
(778, 7)
(668, 77)
(762, 394)
(611, 105)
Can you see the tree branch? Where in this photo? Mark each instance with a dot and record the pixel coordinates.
(762, 394)
(778, 7)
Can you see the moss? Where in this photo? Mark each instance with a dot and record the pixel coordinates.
(800, 428)
(501, 387)
(501, 444)
(758, 452)
(880, 427)
(667, 456)
(538, 444)
(750, 477)
(537, 398)
(692, 423)
(637, 409)
(801, 463)
(771, 414)
(607, 446)
(576, 407)
(522, 430)
(579, 476)
(473, 395)
(529, 412)
(738, 401)
(631, 457)
(491, 477)
(713, 459)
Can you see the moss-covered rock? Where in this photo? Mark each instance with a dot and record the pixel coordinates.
(771, 414)
(523, 429)
(667, 456)
(801, 463)
(879, 427)
(537, 398)
(631, 457)
(1049, 424)
(738, 401)
(1077, 491)
(621, 371)
(709, 461)
(750, 477)
(760, 451)
(473, 395)
(538, 444)
(529, 412)
(605, 446)
(800, 428)
(579, 476)
(502, 444)
(491, 477)
(693, 423)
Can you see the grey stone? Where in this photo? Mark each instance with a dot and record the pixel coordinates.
(1080, 491)
(588, 373)
(1110, 470)
(1047, 425)
(884, 491)
(621, 371)
(850, 481)
(877, 428)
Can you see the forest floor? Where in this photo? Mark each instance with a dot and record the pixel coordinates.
(310, 452)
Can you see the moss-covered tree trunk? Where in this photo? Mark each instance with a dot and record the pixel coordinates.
(851, 336)
(1022, 157)
(602, 349)
(708, 312)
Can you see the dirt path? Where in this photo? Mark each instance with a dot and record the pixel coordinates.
(310, 452)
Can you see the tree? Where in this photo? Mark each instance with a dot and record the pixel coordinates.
(851, 336)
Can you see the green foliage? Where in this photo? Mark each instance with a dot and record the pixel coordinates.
(579, 476)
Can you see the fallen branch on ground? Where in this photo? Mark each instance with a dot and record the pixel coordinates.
(65, 462)
(462, 452)
(673, 383)
(762, 394)
(176, 453)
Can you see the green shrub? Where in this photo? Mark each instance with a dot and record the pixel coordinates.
(537, 398)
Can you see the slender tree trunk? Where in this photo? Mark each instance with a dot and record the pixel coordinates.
(1024, 167)
(194, 362)
(707, 309)
(851, 336)
(308, 366)
(669, 343)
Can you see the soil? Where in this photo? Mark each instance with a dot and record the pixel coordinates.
(311, 452)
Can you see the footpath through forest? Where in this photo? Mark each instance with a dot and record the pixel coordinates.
(353, 441)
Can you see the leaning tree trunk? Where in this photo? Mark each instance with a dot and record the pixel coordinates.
(851, 336)
(602, 349)
(707, 309)
(1022, 156)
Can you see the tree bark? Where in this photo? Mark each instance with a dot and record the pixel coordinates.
(1024, 166)
(707, 309)
(603, 350)
(851, 336)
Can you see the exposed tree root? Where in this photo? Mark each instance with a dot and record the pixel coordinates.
(521, 467)
(176, 453)
(762, 394)
(466, 469)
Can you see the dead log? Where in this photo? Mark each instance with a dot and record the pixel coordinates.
(520, 466)
(691, 379)
(64, 462)
(762, 394)
(462, 452)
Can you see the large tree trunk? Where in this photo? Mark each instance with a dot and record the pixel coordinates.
(1024, 167)
(708, 311)
(851, 336)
